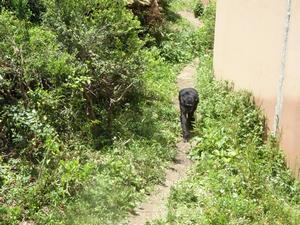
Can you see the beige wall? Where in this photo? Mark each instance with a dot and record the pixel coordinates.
(248, 51)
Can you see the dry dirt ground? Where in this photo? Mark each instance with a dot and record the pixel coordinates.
(190, 17)
(154, 206)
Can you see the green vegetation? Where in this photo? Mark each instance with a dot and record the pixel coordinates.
(239, 177)
(198, 9)
(87, 124)
(137, 159)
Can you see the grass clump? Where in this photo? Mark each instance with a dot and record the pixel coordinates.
(240, 176)
(198, 9)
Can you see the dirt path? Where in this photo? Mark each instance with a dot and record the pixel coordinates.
(191, 18)
(155, 205)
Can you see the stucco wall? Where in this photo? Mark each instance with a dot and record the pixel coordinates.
(248, 51)
(291, 103)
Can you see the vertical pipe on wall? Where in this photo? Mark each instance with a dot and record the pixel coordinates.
(279, 100)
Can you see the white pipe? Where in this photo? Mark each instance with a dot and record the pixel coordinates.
(279, 100)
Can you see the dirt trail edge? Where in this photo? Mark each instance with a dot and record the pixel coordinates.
(154, 206)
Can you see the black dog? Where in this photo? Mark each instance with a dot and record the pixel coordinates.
(188, 101)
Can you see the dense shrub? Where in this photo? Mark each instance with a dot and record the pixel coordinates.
(198, 9)
(178, 47)
(205, 35)
(143, 145)
(153, 15)
(85, 109)
(70, 73)
(25, 9)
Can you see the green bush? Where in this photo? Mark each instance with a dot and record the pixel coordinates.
(204, 37)
(137, 159)
(198, 9)
(83, 104)
(178, 45)
(64, 81)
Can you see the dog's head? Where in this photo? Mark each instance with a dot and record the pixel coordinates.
(189, 101)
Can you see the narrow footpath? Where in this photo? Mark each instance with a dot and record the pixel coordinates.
(155, 206)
